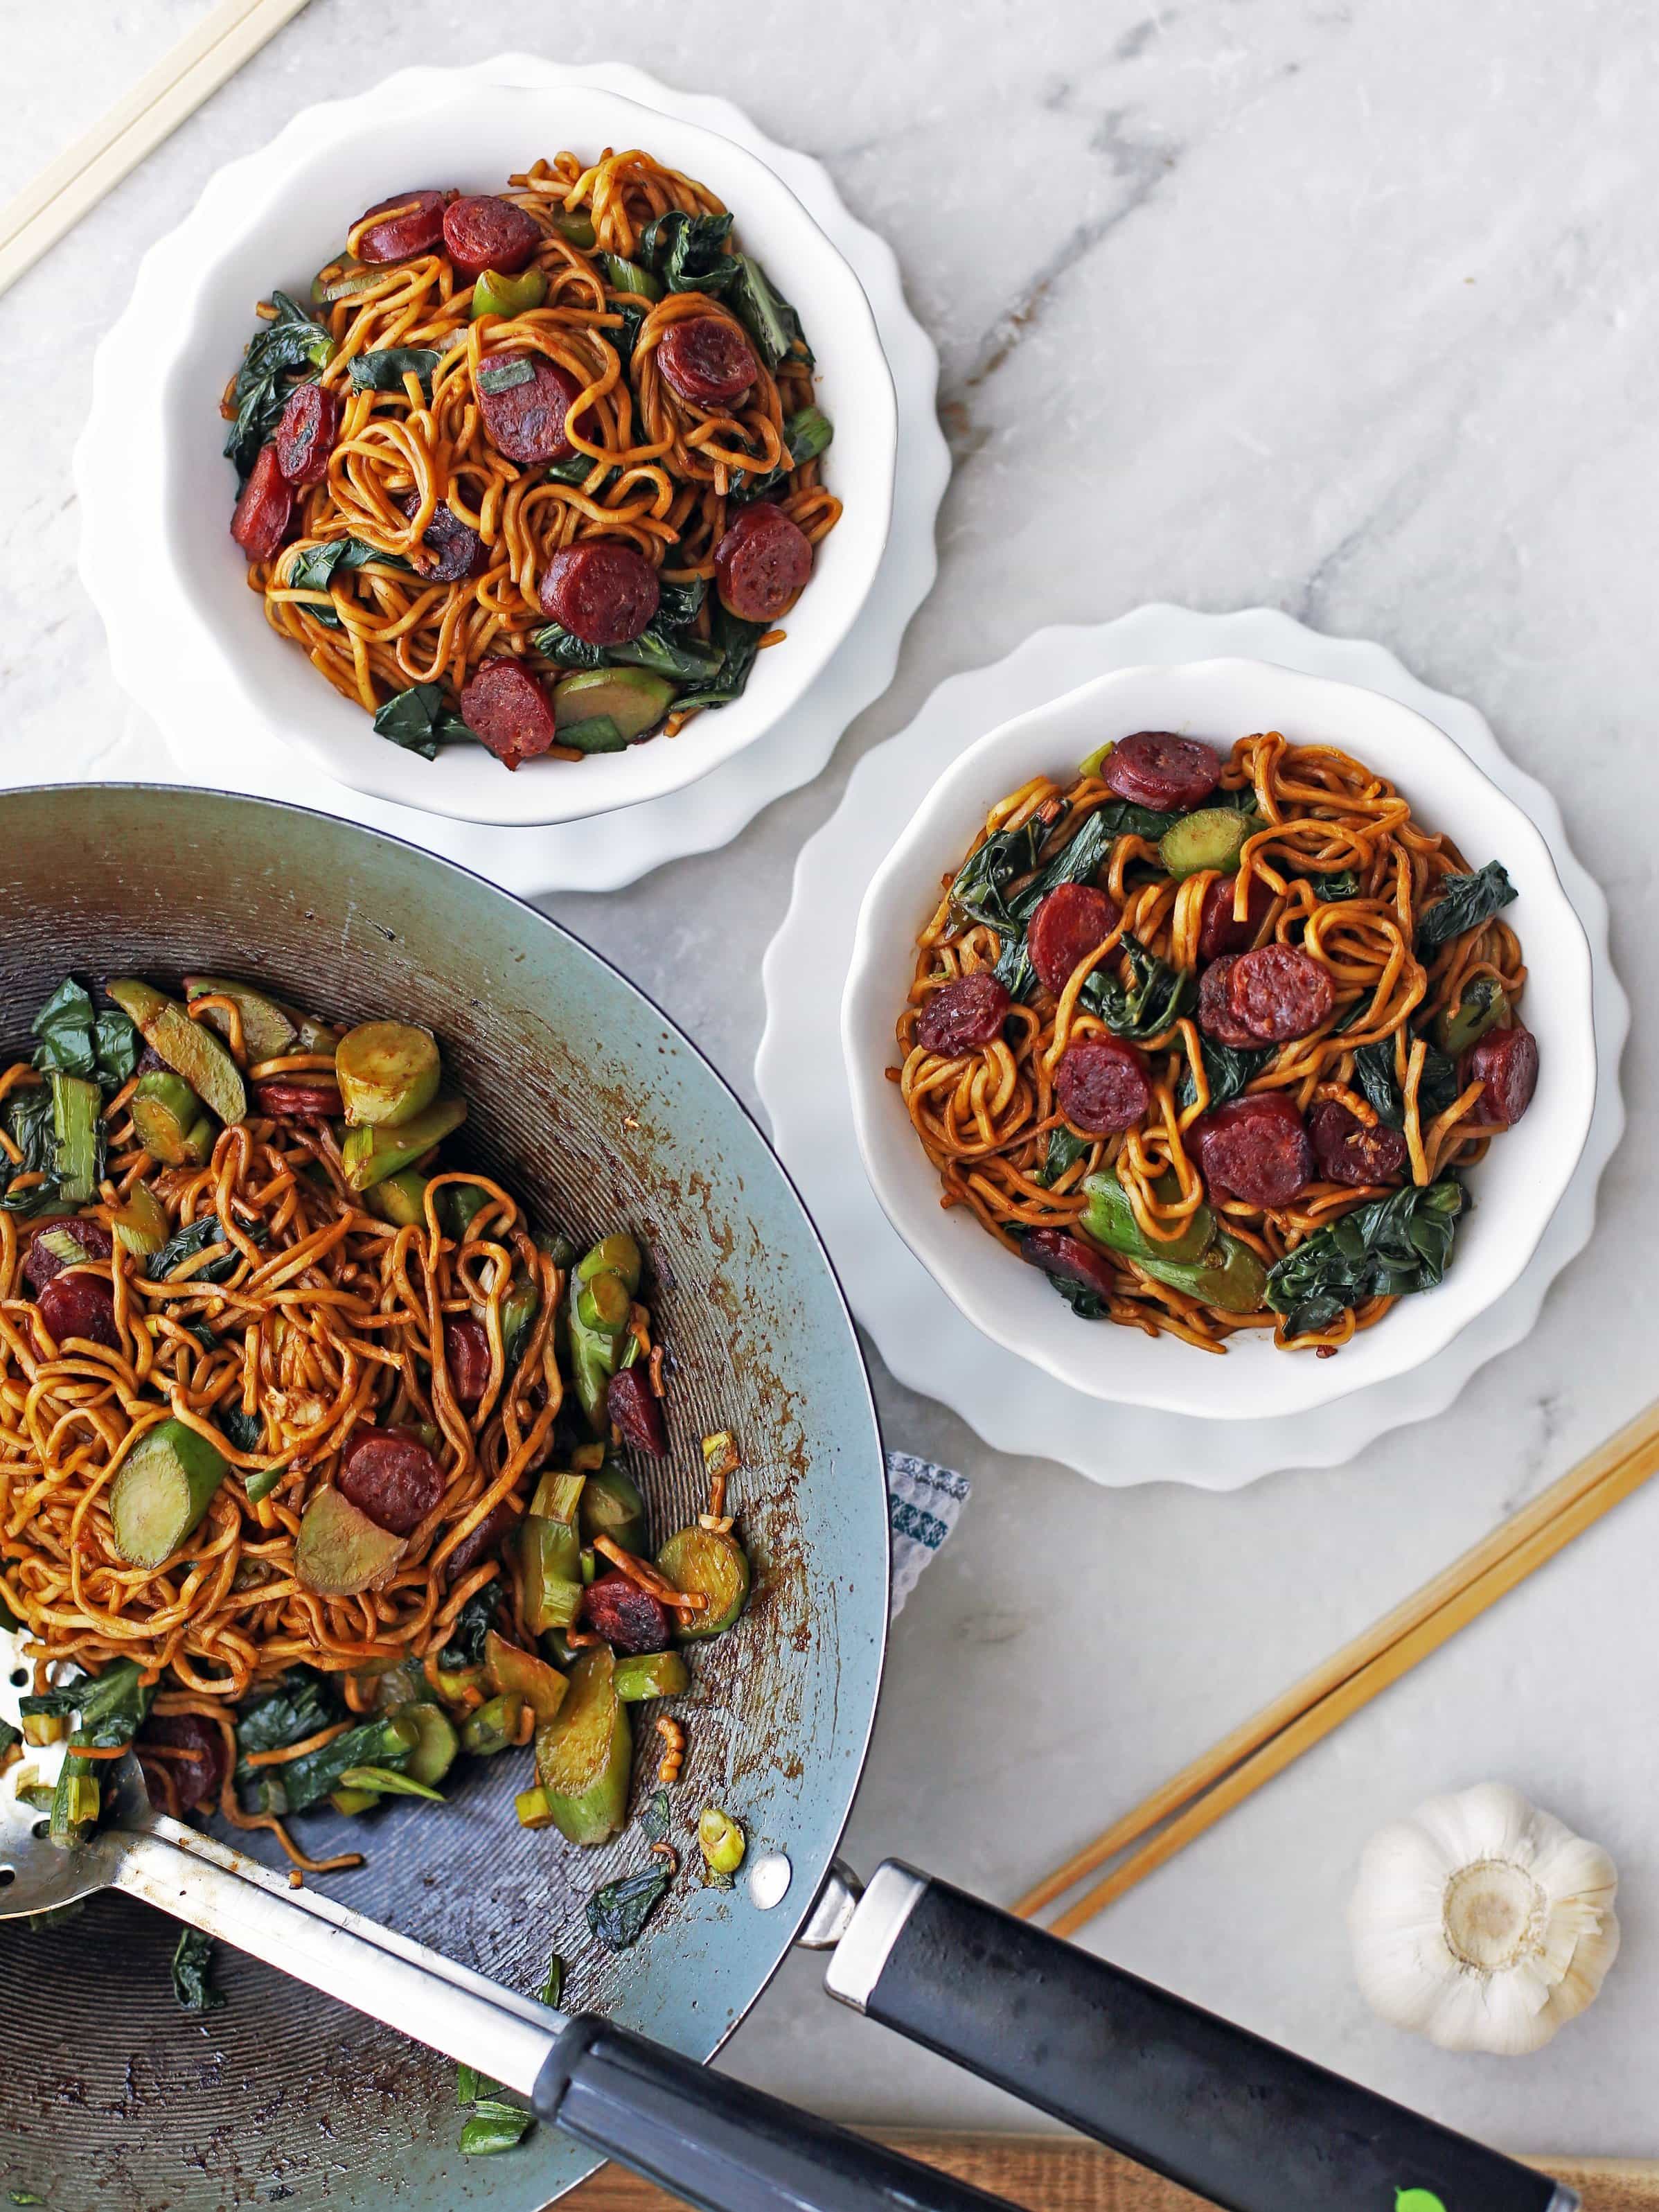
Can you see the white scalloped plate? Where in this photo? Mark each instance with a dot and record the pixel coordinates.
(212, 743)
(924, 1337)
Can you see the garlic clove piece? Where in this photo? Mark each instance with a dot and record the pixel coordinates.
(1482, 1922)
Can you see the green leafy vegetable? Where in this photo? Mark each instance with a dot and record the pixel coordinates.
(688, 252)
(632, 320)
(289, 349)
(737, 642)
(1084, 1298)
(619, 1911)
(8, 1735)
(983, 888)
(201, 1236)
(1066, 1149)
(766, 314)
(1374, 1078)
(1340, 884)
(29, 1124)
(576, 471)
(262, 1483)
(73, 1041)
(1465, 902)
(805, 436)
(1228, 1070)
(244, 1429)
(657, 648)
(313, 569)
(420, 720)
(1390, 1249)
(472, 1624)
(980, 890)
(505, 371)
(302, 1704)
(386, 1741)
(654, 1820)
(385, 368)
(193, 1973)
(1152, 999)
(113, 1708)
(553, 1988)
(493, 2127)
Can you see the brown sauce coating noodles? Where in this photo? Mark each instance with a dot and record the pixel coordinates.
(986, 1117)
(663, 470)
(332, 1320)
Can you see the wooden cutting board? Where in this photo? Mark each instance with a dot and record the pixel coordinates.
(1058, 2173)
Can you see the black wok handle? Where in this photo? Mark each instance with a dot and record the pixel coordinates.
(1234, 2118)
(720, 2145)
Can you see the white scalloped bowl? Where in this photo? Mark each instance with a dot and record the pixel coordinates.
(1516, 1188)
(188, 640)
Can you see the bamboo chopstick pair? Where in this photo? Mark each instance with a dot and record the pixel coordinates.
(1230, 1770)
(66, 188)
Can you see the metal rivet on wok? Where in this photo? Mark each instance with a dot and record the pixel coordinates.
(770, 1878)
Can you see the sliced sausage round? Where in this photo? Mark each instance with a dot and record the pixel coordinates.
(524, 398)
(40, 1264)
(1217, 932)
(199, 1777)
(1068, 925)
(1255, 1148)
(708, 361)
(486, 1538)
(1506, 1061)
(414, 224)
(1348, 1152)
(79, 1305)
(466, 1355)
(763, 562)
(486, 233)
(601, 590)
(1057, 1253)
(634, 1408)
(265, 509)
(1215, 1015)
(452, 548)
(1278, 992)
(392, 1477)
(1102, 1086)
(964, 1016)
(507, 708)
(629, 1618)
(305, 436)
(299, 1098)
(1155, 768)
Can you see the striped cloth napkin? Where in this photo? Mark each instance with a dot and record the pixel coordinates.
(924, 1503)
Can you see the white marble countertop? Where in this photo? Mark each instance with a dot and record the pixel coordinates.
(1349, 308)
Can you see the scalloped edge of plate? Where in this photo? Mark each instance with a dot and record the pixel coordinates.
(709, 813)
(926, 1343)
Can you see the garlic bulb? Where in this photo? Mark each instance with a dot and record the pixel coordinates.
(1482, 1922)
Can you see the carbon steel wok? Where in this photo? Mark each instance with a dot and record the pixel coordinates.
(588, 1102)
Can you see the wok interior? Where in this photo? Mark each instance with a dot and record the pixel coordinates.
(586, 1104)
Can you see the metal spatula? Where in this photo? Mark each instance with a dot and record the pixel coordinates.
(706, 2139)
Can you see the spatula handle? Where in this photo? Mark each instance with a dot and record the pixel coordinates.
(715, 2142)
(1236, 2119)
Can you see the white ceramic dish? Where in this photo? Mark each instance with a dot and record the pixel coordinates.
(1518, 1185)
(188, 641)
(921, 1336)
(569, 856)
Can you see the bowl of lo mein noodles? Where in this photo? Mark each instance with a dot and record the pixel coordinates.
(1219, 1038)
(516, 451)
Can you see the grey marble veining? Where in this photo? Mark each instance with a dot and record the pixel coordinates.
(1353, 310)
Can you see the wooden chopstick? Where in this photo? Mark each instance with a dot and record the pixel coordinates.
(1225, 1774)
(66, 188)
